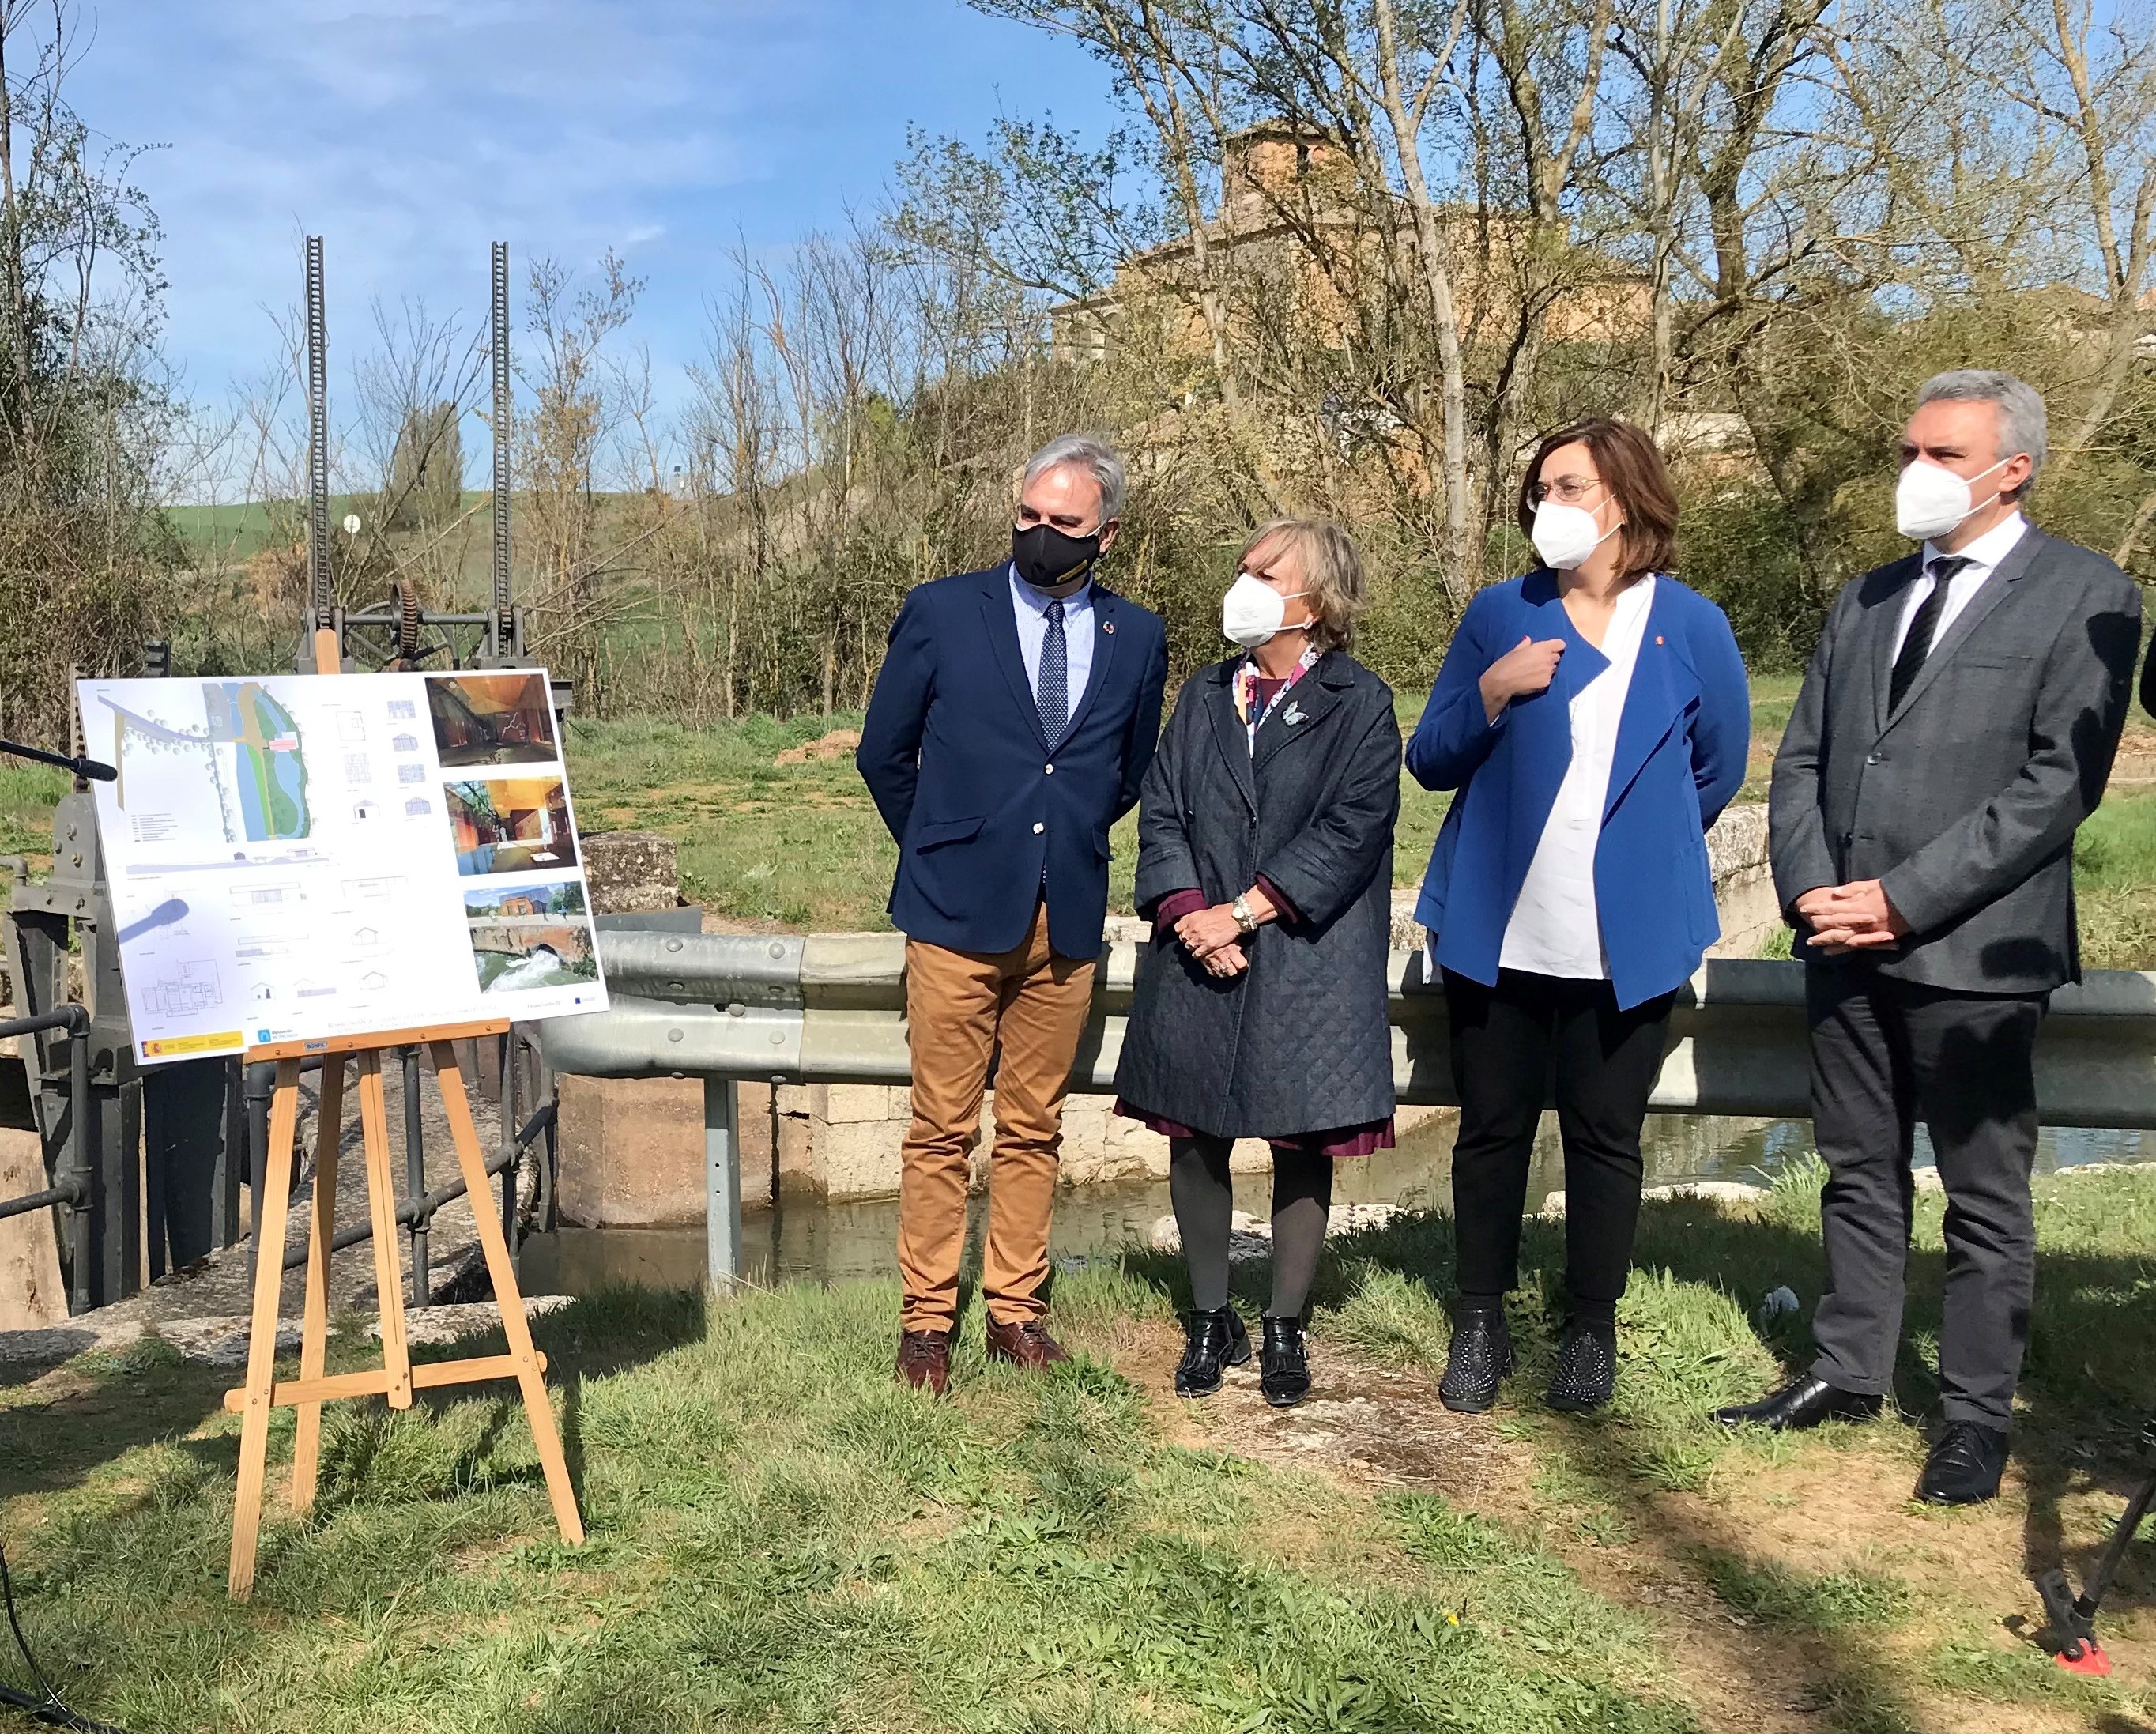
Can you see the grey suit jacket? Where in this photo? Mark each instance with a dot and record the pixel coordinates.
(1963, 802)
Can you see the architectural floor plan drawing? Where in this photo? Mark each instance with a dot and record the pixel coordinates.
(186, 990)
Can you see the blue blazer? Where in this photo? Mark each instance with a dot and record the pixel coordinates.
(953, 754)
(1680, 756)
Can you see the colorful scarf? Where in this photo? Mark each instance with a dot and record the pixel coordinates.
(1246, 692)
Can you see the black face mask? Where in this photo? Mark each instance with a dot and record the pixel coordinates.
(1048, 560)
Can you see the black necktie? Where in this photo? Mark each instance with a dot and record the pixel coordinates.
(1917, 644)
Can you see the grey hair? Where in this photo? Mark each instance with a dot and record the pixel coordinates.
(1096, 457)
(2021, 408)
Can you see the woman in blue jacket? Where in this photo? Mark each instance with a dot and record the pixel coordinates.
(1593, 718)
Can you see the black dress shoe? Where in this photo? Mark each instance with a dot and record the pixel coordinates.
(1965, 1466)
(1481, 1357)
(1213, 1342)
(1586, 1376)
(1804, 1402)
(1283, 1364)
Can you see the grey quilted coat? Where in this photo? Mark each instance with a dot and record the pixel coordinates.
(1298, 1043)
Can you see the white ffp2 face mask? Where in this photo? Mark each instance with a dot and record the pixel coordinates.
(1251, 612)
(1929, 501)
(1564, 535)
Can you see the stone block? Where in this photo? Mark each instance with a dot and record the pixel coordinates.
(1091, 1152)
(849, 1103)
(859, 1158)
(630, 872)
(632, 1151)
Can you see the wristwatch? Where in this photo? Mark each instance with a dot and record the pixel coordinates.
(1244, 919)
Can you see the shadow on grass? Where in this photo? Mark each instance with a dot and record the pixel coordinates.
(147, 1393)
(2093, 1343)
(115, 1401)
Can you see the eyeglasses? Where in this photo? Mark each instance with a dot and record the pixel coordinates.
(1570, 490)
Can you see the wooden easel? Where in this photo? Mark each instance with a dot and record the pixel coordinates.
(397, 1378)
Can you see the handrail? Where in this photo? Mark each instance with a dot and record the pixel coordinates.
(418, 1213)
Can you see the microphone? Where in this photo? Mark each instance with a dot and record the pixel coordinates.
(94, 769)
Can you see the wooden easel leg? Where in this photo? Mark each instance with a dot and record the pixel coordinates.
(276, 1183)
(314, 1333)
(381, 1205)
(515, 1326)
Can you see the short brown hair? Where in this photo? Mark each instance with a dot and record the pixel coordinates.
(1631, 467)
(1332, 572)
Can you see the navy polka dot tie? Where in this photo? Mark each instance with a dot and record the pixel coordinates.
(1053, 695)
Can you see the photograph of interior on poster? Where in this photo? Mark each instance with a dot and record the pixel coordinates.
(300, 856)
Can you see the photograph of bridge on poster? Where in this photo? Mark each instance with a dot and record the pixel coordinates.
(1195, 864)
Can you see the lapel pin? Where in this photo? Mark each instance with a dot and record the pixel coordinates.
(1293, 715)
(1107, 626)
(1658, 638)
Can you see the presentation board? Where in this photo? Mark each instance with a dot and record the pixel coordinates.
(294, 857)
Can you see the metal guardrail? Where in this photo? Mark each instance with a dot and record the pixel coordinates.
(829, 1009)
(71, 1187)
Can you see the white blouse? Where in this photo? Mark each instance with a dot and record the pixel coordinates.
(1555, 929)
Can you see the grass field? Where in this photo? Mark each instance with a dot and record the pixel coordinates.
(782, 1541)
(241, 529)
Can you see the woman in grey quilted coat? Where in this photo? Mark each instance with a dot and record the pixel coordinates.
(1264, 865)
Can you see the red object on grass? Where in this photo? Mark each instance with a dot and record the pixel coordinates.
(2092, 1660)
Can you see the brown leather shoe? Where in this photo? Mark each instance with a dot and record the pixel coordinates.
(924, 1360)
(1027, 1345)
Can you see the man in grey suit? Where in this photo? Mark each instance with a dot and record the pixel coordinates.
(1956, 726)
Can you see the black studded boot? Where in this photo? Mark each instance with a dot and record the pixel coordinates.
(1480, 1358)
(1586, 1376)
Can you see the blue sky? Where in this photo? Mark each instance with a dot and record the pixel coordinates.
(410, 134)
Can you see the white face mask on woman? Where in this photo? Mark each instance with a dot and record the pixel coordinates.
(1252, 612)
(1930, 501)
(1564, 535)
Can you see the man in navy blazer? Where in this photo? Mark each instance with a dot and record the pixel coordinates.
(1011, 725)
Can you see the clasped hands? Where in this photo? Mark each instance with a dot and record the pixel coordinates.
(1215, 937)
(1854, 917)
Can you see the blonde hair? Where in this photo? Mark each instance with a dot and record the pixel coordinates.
(1331, 574)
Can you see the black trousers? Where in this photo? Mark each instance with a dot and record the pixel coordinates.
(1883, 1053)
(1507, 1041)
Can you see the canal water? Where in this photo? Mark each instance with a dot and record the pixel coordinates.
(803, 1239)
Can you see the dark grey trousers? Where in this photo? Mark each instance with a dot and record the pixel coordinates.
(1885, 1053)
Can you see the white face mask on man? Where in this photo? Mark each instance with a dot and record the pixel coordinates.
(1564, 535)
(1929, 501)
(1251, 612)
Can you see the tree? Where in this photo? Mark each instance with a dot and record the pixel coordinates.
(427, 471)
(86, 414)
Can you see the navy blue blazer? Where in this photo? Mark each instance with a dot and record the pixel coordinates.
(953, 754)
(1680, 756)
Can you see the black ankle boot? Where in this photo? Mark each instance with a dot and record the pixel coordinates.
(1586, 1376)
(1480, 1358)
(1283, 1363)
(1213, 1343)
